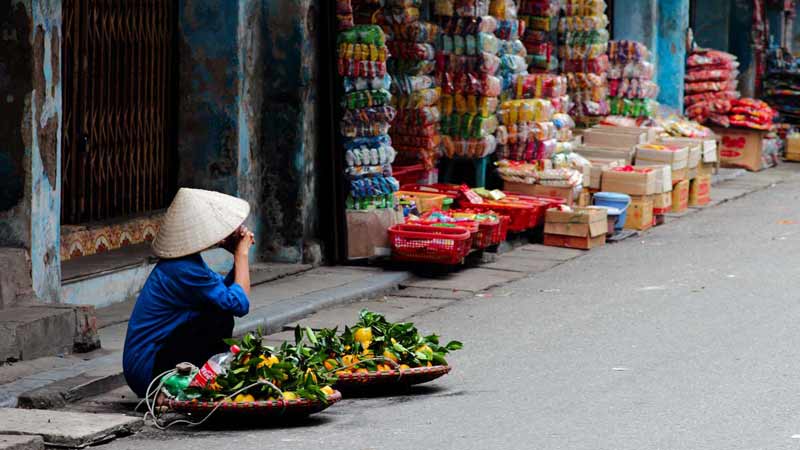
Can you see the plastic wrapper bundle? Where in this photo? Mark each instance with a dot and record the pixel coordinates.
(467, 65)
(711, 85)
(583, 52)
(676, 126)
(367, 116)
(412, 43)
(630, 87)
(541, 33)
(781, 87)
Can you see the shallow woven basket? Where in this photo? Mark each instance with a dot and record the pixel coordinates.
(407, 377)
(274, 408)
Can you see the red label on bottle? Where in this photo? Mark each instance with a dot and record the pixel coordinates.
(204, 376)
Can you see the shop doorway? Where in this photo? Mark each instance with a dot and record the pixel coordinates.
(119, 103)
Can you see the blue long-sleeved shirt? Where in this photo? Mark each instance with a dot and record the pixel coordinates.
(177, 291)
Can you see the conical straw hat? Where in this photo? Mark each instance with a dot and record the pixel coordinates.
(197, 220)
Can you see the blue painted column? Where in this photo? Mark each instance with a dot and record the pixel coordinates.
(636, 20)
(673, 22)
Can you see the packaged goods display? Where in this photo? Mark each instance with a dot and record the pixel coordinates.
(711, 83)
(416, 95)
(782, 85)
(467, 62)
(511, 50)
(583, 46)
(539, 19)
(367, 115)
(631, 89)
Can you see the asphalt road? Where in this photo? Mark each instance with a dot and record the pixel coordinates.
(684, 339)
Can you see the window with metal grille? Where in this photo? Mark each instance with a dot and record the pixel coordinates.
(118, 94)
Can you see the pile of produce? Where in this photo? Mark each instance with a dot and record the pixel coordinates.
(374, 344)
(254, 371)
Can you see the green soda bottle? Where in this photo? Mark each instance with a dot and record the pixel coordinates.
(176, 384)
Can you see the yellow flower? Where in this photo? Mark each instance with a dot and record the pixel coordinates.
(269, 362)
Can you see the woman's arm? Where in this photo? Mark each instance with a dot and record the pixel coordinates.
(241, 262)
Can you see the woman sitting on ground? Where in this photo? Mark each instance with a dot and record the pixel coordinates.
(185, 310)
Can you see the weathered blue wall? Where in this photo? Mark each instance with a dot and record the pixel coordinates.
(673, 22)
(45, 150)
(208, 95)
(247, 114)
(741, 43)
(712, 23)
(636, 20)
(30, 138)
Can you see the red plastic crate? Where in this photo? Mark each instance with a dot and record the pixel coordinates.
(408, 175)
(450, 190)
(520, 214)
(425, 243)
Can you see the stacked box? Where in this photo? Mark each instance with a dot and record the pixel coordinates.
(466, 63)
(415, 130)
(582, 51)
(582, 228)
(631, 89)
(366, 118)
(540, 18)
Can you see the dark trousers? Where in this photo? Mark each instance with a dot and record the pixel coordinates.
(195, 341)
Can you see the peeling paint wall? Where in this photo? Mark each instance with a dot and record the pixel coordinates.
(30, 137)
(208, 95)
(46, 119)
(247, 114)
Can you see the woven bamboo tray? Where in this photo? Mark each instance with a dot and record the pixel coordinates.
(265, 408)
(407, 377)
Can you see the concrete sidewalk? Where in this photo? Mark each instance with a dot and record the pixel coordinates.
(325, 297)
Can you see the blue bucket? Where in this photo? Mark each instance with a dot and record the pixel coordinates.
(614, 200)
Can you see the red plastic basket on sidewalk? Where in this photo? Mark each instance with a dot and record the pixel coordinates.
(424, 243)
(486, 234)
(450, 190)
(408, 174)
(501, 232)
(520, 213)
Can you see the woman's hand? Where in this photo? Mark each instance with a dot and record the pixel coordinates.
(246, 239)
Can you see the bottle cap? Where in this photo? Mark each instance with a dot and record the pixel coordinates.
(184, 368)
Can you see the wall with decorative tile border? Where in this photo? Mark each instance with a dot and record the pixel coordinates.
(84, 240)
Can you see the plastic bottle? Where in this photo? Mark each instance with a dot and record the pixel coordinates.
(176, 384)
(215, 366)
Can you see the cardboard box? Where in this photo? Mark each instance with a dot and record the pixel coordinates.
(640, 213)
(705, 169)
(650, 133)
(592, 175)
(680, 196)
(366, 232)
(591, 153)
(663, 177)
(793, 147)
(642, 181)
(700, 191)
(662, 203)
(582, 228)
(567, 193)
(580, 243)
(741, 148)
(659, 154)
(585, 198)
(613, 137)
(708, 146)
